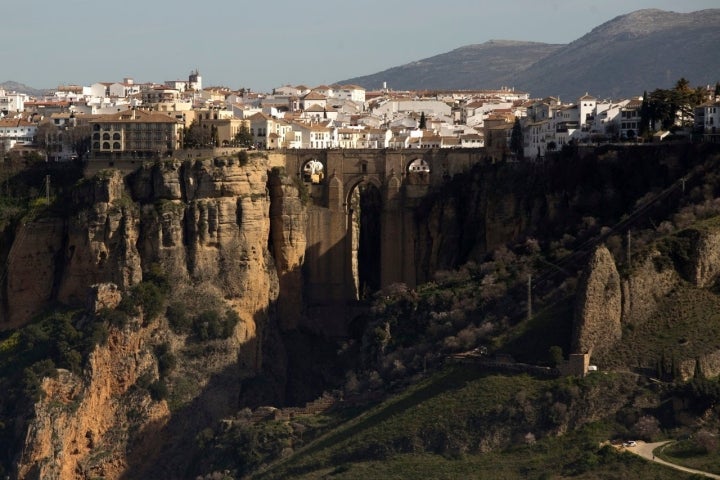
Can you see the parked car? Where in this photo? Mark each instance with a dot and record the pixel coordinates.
(630, 443)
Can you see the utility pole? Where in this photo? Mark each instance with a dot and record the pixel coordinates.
(47, 189)
(683, 184)
(529, 297)
(629, 257)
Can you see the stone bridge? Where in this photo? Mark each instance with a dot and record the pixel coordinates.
(360, 231)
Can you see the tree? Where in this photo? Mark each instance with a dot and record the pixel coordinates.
(243, 138)
(644, 127)
(516, 139)
(665, 105)
(196, 136)
(423, 121)
(214, 136)
(45, 135)
(717, 90)
(556, 355)
(647, 427)
(79, 139)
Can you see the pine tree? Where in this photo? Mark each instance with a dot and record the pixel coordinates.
(644, 116)
(516, 139)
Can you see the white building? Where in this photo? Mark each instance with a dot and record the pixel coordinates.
(12, 102)
(16, 131)
(349, 92)
(707, 121)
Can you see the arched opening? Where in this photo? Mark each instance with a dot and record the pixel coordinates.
(313, 171)
(418, 172)
(364, 229)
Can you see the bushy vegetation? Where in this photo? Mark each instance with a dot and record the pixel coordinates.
(207, 325)
(471, 422)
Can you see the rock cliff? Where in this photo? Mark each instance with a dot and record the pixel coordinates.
(83, 425)
(205, 225)
(648, 283)
(599, 306)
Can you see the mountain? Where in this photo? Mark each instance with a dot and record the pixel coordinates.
(475, 66)
(642, 50)
(11, 86)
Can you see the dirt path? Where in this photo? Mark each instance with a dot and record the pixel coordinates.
(645, 450)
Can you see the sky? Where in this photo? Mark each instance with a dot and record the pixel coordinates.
(262, 45)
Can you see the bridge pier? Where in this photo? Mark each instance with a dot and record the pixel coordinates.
(402, 177)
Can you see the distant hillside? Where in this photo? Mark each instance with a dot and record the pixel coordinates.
(487, 65)
(11, 86)
(643, 50)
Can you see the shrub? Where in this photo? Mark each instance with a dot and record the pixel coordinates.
(647, 427)
(119, 317)
(158, 390)
(145, 295)
(210, 325)
(157, 276)
(33, 375)
(166, 359)
(707, 441)
(178, 318)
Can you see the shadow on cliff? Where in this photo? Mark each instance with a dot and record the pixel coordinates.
(169, 450)
(276, 367)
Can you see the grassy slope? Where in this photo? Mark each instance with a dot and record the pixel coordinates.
(470, 407)
(686, 452)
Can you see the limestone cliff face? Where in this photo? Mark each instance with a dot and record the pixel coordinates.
(100, 243)
(209, 222)
(288, 220)
(206, 224)
(81, 424)
(598, 310)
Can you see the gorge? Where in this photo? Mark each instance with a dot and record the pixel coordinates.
(292, 247)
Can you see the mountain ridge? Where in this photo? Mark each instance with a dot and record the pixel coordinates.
(641, 50)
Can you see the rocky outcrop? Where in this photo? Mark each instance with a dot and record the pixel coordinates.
(80, 429)
(100, 244)
(649, 282)
(598, 310)
(705, 264)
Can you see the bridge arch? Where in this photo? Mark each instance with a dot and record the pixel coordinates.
(418, 172)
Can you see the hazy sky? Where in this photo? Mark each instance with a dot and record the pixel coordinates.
(261, 45)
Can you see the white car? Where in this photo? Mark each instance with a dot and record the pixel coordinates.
(631, 443)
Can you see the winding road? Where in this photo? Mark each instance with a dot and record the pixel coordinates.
(645, 450)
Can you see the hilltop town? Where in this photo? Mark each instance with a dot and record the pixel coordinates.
(125, 119)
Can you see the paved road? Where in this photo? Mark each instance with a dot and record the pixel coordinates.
(645, 450)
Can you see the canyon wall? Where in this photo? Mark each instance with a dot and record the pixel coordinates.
(205, 226)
